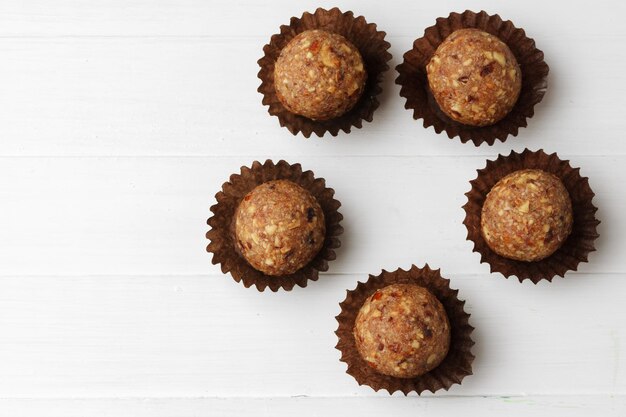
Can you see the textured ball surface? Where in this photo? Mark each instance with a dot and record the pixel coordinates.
(474, 77)
(319, 75)
(402, 330)
(279, 227)
(527, 215)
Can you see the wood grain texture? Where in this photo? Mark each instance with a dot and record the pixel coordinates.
(180, 79)
(196, 336)
(119, 122)
(148, 215)
(528, 406)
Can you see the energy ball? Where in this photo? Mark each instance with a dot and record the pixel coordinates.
(527, 215)
(474, 77)
(402, 330)
(319, 75)
(279, 227)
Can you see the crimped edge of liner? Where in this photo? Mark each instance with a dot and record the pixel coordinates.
(221, 233)
(457, 363)
(576, 247)
(368, 40)
(414, 83)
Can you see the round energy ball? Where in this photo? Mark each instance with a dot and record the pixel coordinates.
(474, 77)
(527, 215)
(279, 227)
(319, 75)
(402, 330)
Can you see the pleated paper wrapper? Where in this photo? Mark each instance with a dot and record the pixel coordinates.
(364, 36)
(414, 82)
(456, 365)
(222, 237)
(576, 247)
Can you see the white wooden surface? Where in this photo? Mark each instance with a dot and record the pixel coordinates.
(120, 120)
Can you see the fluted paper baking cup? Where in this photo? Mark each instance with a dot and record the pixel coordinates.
(414, 82)
(576, 247)
(456, 365)
(221, 235)
(364, 36)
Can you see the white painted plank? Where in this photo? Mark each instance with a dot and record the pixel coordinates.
(196, 336)
(531, 406)
(148, 215)
(112, 95)
(249, 18)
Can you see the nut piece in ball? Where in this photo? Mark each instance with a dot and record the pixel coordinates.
(279, 227)
(319, 75)
(527, 215)
(402, 330)
(474, 77)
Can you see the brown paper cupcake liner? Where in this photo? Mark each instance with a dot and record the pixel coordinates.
(366, 39)
(456, 365)
(221, 234)
(577, 246)
(413, 79)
